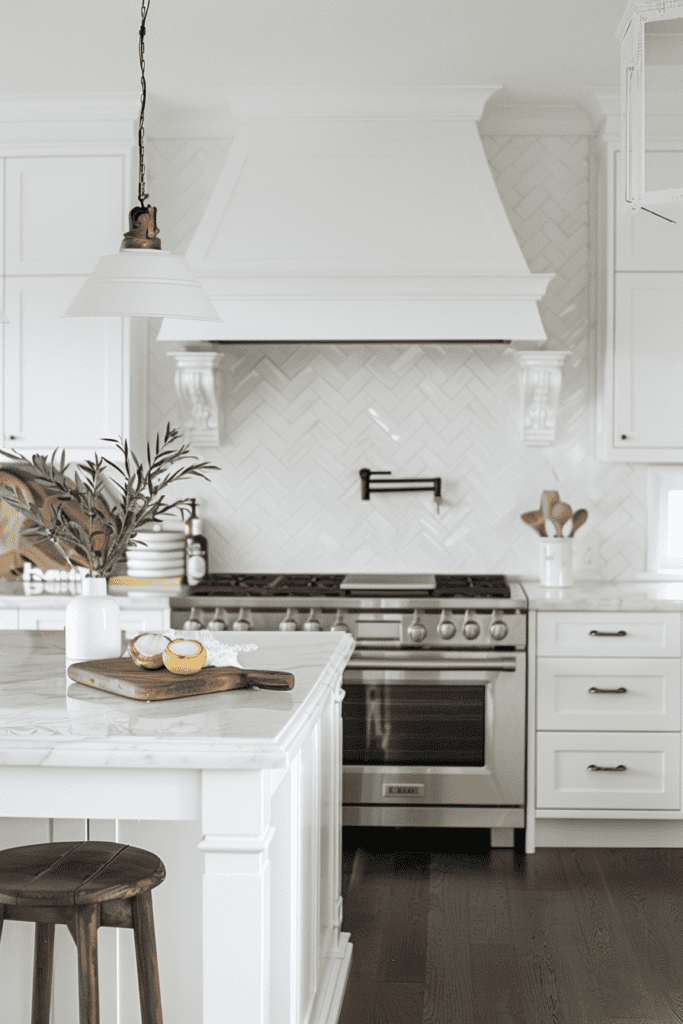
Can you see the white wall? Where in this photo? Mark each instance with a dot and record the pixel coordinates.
(301, 420)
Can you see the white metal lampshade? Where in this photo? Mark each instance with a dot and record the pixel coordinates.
(143, 282)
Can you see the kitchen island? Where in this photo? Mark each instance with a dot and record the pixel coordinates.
(238, 792)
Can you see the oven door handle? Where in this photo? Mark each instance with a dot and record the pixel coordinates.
(450, 666)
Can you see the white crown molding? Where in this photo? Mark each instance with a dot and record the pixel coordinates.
(664, 120)
(540, 377)
(197, 388)
(536, 119)
(450, 102)
(69, 117)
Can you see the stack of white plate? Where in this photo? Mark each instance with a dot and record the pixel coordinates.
(163, 555)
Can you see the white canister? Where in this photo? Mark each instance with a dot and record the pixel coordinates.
(93, 624)
(556, 562)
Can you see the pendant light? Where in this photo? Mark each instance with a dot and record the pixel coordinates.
(142, 279)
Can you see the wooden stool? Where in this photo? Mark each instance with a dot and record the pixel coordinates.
(83, 885)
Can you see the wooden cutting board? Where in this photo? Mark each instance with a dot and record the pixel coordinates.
(123, 676)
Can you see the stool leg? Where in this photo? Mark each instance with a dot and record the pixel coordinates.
(146, 956)
(85, 925)
(42, 973)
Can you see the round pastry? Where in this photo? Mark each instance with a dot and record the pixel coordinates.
(184, 657)
(147, 649)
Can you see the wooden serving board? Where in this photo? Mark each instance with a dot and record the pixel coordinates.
(123, 676)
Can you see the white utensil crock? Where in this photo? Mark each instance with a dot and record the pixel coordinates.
(93, 624)
(556, 562)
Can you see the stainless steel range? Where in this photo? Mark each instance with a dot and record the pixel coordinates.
(435, 707)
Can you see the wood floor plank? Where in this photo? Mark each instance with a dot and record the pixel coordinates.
(495, 988)
(396, 1004)
(646, 893)
(448, 989)
(623, 988)
(404, 948)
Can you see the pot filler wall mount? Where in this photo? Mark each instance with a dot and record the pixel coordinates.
(435, 692)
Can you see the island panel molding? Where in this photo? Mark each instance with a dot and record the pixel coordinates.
(197, 386)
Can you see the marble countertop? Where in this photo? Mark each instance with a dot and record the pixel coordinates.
(597, 595)
(44, 723)
(57, 594)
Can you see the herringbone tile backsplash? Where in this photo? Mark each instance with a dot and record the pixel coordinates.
(301, 420)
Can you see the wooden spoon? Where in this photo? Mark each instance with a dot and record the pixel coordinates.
(548, 499)
(535, 520)
(560, 513)
(578, 519)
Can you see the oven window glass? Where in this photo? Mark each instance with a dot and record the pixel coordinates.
(414, 725)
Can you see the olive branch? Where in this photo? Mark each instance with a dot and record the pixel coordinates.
(82, 519)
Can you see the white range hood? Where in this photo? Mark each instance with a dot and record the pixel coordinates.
(366, 215)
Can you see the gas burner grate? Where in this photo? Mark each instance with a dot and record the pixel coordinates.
(328, 585)
(268, 585)
(472, 586)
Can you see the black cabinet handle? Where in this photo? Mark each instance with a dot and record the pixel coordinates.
(596, 632)
(596, 689)
(602, 768)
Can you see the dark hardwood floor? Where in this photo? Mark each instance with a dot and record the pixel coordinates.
(448, 931)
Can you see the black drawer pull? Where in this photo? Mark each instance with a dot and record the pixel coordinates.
(596, 632)
(602, 768)
(597, 689)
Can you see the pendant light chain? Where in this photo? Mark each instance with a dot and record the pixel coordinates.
(142, 195)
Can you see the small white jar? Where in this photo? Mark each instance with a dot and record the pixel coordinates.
(555, 568)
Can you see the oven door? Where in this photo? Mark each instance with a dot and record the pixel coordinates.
(435, 733)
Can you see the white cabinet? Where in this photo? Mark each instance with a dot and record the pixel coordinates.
(66, 383)
(608, 714)
(63, 212)
(139, 619)
(641, 309)
(63, 378)
(648, 362)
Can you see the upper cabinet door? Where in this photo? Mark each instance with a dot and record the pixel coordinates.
(62, 212)
(648, 365)
(645, 241)
(62, 379)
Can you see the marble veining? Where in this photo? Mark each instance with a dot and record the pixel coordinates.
(40, 724)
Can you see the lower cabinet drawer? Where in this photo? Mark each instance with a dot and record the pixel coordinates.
(627, 694)
(568, 771)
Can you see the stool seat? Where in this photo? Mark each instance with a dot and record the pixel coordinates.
(76, 873)
(84, 885)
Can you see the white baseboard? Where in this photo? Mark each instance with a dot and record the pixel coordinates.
(329, 1000)
(616, 833)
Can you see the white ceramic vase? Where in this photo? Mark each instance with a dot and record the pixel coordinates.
(555, 568)
(93, 623)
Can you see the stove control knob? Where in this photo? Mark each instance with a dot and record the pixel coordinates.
(339, 626)
(446, 628)
(289, 623)
(417, 631)
(471, 627)
(498, 629)
(311, 624)
(242, 621)
(217, 622)
(194, 622)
